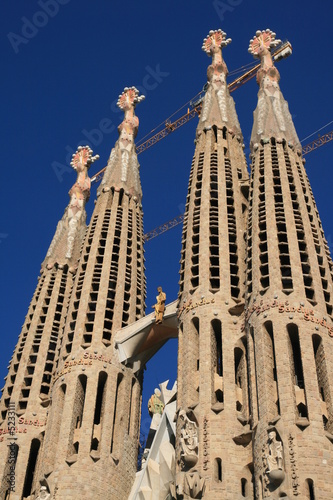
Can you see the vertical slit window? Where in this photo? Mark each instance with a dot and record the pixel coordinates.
(271, 373)
(116, 440)
(99, 411)
(217, 359)
(218, 470)
(297, 371)
(31, 468)
(79, 401)
(322, 377)
(311, 490)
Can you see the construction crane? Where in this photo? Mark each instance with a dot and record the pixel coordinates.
(317, 143)
(282, 51)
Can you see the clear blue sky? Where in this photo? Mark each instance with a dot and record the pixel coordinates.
(65, 62)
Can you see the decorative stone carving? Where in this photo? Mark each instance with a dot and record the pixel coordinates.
(293, 465)
(272, 115)
(274, 459)
(188, 441)
(71, 227)
(205, 443)
(155, 405)
(189, 485)
(43, 494)
(160, 305)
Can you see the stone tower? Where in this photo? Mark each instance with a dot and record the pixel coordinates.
(288, 306)
(92, 430)
(26, 396)
(213, 449)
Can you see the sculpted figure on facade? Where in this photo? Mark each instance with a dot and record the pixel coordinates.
(160, 305)
(71, 227)
(155, 405)
(274, 458)
(188, 441)
(189, 485)
(43, 494)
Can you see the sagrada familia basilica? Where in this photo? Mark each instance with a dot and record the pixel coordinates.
(251, 415)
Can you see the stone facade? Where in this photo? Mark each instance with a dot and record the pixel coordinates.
(254, 416)
(288, 304)
(29, 380)
(212, 358)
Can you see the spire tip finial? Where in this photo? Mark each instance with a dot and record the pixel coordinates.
(263, 40)
(215, 39)
(83, 156)
(129, 98)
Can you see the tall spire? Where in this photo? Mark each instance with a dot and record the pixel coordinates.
(122, 171)
(66, 243)
(218, 107)
(212, 357)
(271, 117)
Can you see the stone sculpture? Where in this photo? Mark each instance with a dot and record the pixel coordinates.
(188, 441)
(155, 405)
(43, 494)
(189, 485)
(274, 459)
(160, 305)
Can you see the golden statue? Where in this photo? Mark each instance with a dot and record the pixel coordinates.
(160, 305)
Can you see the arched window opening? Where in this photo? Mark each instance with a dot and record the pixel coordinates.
(217, 359)
(239, 365)
(244, 486)
(116, 415)
(217, 347)
(311, 489)
(322, 375)
(31, 468)
(271, 359)
(80, 395)
(218, 470)
(297, 371)
(99, 411)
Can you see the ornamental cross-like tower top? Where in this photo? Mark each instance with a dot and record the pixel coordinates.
(122, 171)
(213, 44)
(218, 107)
(261, 45)
(127, 102)
(272, 117)
(66, 243)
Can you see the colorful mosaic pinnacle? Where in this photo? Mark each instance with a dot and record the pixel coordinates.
(216, 39)
(83, 156)
(263, 40)
(129, 98)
